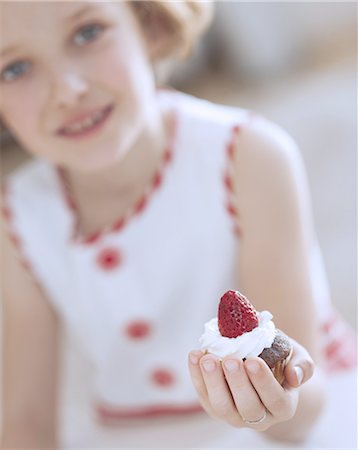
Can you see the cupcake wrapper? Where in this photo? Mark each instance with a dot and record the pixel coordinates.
(279, 368)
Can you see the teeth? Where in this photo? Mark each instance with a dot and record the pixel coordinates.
(87, 123)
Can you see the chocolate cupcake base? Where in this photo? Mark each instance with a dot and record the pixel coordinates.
(278, 355)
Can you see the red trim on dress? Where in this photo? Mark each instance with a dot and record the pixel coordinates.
(228, 176)
(228, 180)
(137, 209)
(109, 415)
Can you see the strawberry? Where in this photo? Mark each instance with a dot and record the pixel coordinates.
(236, 315)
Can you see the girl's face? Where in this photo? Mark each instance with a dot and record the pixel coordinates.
(76, 83)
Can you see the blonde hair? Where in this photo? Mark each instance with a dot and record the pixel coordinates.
(182, 22)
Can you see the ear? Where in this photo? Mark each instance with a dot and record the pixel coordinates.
(158, 29)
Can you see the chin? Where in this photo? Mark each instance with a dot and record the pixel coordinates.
(98, 162)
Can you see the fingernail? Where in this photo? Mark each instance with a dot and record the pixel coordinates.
(231, 365)
(209, 365)
(299, 374)
(194, 358)
(252, 366)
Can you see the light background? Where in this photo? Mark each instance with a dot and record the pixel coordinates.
(296, 63)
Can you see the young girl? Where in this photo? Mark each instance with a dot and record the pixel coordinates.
(140, 208)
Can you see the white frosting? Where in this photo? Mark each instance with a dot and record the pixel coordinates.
(248, 344)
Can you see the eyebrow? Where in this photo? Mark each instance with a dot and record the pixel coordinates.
(72, 18)
(8, 50)
(81, 12)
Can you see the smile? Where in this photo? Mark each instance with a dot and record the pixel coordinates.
(88, 126)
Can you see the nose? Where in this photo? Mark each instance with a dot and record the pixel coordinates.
(68, 89)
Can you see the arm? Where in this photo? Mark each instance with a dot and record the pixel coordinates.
(29, 353)
(274, 271)
(277, 241)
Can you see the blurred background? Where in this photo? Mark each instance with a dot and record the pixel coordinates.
(295, 63)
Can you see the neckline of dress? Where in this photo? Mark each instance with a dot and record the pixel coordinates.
(76, 236)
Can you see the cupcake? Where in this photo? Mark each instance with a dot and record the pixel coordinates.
(241, 331)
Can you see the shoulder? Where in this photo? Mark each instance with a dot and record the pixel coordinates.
(203, 110)
(25, 199)
(263, 144)
(28, 173)
(29, 185)
(19, 281)
(269, 176)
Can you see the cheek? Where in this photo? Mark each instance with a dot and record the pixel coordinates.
(112, 70)
(22, 113)
(123, 65)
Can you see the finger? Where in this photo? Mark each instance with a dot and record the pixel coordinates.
(278, 402)
(218, 391)
(245, 397)
(300, 367)
(197, 379)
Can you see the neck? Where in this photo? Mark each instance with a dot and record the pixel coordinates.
(128, 175)
(102, 197)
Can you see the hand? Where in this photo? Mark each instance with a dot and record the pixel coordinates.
(239, 392)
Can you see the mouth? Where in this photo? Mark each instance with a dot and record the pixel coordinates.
(88, 126)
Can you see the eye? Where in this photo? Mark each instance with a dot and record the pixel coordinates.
(88, 33)
(14, 71)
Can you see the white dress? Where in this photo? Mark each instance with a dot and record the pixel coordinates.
(133, 298)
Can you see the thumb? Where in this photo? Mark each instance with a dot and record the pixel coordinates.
(300, 367)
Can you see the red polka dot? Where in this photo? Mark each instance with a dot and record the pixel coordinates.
(109, 258)
(138, 329)
(163, 377)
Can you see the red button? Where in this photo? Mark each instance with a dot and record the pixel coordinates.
(109, 258)
(138, 329)
(163, 377)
